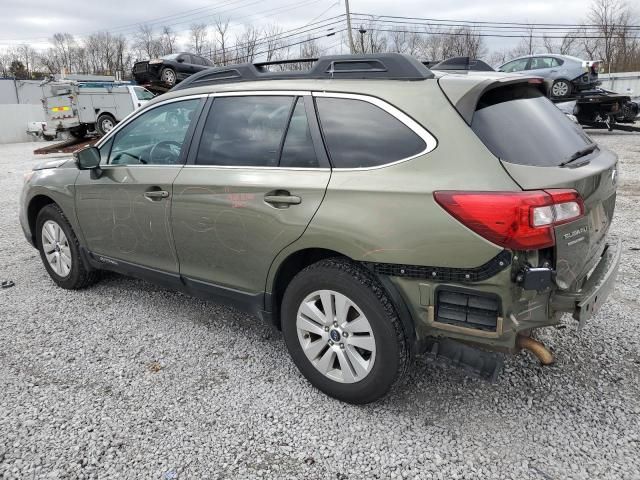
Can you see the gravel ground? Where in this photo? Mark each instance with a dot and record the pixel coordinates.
(126, 380)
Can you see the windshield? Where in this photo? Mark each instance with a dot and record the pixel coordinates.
(143, 93)
(520, 125)
(171, 56)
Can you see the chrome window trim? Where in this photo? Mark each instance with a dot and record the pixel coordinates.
(136, 113)
(247, 167)
(251, 93)
(429, 140)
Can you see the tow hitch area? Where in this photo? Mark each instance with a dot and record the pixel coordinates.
(475, 362)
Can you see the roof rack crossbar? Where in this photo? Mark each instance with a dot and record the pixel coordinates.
(383, 66)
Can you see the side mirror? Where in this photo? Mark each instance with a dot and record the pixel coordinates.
(180, 60)
(89, 159)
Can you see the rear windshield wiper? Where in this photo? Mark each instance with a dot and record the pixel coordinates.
(580, 153)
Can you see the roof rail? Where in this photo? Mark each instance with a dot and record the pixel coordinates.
(384, 66)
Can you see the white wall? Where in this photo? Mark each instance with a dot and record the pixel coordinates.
(627, 83)
(14, 120)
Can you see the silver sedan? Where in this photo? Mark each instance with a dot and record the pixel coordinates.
(564, 75)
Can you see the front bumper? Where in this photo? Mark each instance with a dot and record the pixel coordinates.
(584, 304)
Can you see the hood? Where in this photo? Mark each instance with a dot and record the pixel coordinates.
(58, 162)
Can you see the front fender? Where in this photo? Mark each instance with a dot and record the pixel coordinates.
(57, 184)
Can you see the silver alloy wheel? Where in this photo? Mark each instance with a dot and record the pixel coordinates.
(336, 336)
(107, 124)
(168, 76)
(56, 248)
(560, 89)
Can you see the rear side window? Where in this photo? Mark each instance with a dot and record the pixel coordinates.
(520, 125)
(298, 150)
(244, 131)
(359, 134)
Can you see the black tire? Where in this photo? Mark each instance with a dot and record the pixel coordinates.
(79, 132)
(392, 355)
(80, 275)
(168, 76)
(561, 89)
(105, 123)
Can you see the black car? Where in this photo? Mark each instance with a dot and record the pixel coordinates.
(169, 69)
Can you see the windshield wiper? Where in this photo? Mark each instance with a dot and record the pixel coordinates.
(580, 153)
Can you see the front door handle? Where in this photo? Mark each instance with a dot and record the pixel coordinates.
(156, 194)
(282, 199)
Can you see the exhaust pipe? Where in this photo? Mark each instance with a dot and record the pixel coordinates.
(538, 349)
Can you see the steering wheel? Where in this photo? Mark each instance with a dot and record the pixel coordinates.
(166, 152)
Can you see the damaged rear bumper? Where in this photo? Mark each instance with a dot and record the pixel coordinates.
(595, 291)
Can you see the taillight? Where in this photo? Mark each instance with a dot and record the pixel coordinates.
(515, 220)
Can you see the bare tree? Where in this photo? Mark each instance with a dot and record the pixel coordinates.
(63, 44)
(146, 42)
(198, 34)
(272, 41)
(246, 44)
(222, 34)
(28, 57)
(167, 41)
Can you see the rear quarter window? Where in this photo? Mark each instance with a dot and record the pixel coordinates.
(359, 134)
(519, 124)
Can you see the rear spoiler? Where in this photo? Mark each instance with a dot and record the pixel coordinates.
(464, 92)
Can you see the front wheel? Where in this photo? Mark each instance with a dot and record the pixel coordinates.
(60, 250)
(342, 331)
(561, 89)
(168, 76)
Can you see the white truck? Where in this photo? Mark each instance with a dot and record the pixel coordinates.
(80, 107)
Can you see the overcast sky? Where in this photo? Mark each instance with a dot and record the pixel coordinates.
(33, 21)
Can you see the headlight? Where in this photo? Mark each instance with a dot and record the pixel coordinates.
(155, 61)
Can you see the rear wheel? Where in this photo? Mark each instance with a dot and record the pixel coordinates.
(561, 89)
(342, 331)
(105, 123)
(60, 250)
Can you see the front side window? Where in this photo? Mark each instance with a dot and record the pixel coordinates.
(155, 137)
(244, 131)
(359, 134)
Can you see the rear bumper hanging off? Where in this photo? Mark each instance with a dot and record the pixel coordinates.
(595, 291)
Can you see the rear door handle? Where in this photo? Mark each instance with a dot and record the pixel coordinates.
(156, 194)
(282, 199)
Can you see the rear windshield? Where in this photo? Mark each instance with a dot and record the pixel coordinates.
(520, 125)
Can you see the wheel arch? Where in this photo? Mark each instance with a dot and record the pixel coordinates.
(37, 203)
(298, 260)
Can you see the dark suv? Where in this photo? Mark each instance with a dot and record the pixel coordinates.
(170, 69)
(368, 207)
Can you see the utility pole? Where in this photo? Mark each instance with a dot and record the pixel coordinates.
(352, 49)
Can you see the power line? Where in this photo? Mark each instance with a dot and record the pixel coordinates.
(492, 35)
(486, 22)
(484, 27)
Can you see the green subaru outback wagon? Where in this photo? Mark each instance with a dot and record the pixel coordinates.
(369, 207)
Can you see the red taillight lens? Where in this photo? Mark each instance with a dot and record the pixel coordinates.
(515, 220)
